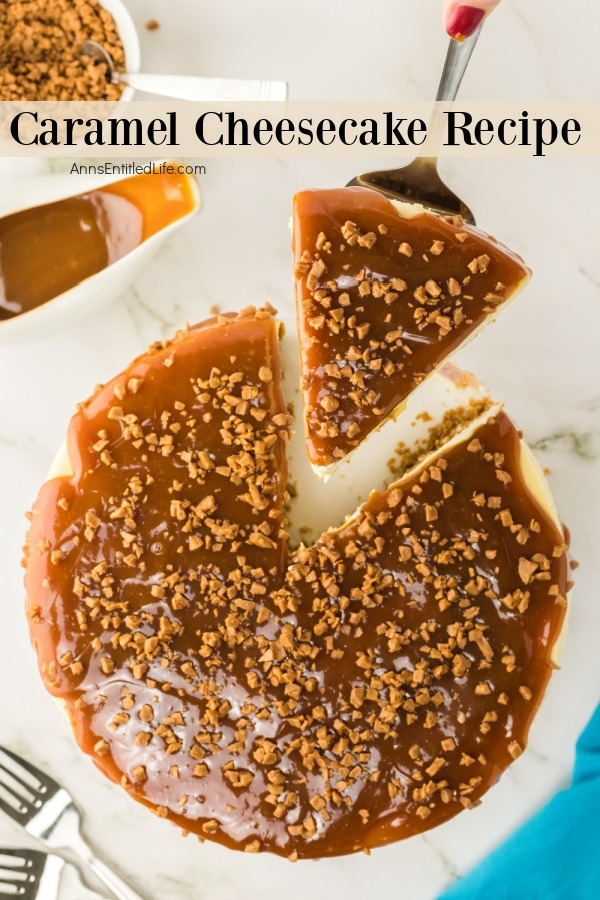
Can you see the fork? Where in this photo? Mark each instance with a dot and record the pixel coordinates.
(419, 180)
(34, 875)
(47, 812)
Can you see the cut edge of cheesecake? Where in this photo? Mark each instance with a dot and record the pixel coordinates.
(61, 465)
(530, 469)
(325, 472)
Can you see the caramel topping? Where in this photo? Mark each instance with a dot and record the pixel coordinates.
(382, 300)
(309, 704)
(48, 249)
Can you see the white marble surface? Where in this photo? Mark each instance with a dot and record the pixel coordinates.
(541, 358)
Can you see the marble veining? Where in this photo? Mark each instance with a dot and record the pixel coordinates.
(540, 358)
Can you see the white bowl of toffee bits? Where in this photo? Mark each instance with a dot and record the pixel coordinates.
(65, 250)
(40, 57)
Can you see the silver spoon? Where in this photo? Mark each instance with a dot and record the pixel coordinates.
(419, 180)
(185, 87)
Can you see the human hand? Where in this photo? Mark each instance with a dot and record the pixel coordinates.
(463, 17)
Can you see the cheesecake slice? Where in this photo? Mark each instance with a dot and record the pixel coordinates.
(385, 293)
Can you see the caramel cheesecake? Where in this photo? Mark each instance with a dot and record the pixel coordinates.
(308, 702)
(385, 293)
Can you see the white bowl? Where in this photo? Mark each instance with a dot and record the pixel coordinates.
(129, 37)
(98, 290)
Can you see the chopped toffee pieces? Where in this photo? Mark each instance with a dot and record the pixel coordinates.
(383, 297)
(308, 703)
(40, 50)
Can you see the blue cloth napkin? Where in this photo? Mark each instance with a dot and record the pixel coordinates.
(556, 854)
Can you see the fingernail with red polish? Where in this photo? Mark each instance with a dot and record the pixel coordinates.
(463, 21)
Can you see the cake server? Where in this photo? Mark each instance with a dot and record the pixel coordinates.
(34, 875)
(46, 811)
(188, 87)
(419, 181)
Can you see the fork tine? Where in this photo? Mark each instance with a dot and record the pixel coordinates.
(18, 888)
(26, 787)
(21, 858)
(44, 780)
(17, 875)
(21, 872)
(17, 814)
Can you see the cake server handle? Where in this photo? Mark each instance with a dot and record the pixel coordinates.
(189, 87)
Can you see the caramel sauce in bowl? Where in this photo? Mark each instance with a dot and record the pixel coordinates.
(67, 251)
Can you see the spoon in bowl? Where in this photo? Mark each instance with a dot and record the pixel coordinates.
(186, 87)
(419, 181)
